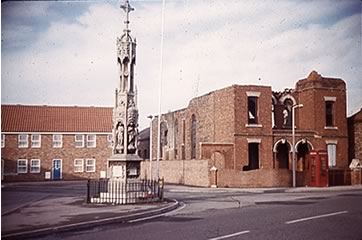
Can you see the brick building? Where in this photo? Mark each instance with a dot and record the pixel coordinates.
(55, 142)
(241, 136)
(144, 144)
(355, 136)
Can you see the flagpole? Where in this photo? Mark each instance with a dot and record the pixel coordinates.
(160, 91)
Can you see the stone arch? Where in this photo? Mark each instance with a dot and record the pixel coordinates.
(287, 96)
(282, 141)
(304, 141)
(302, 148)
(281, 150)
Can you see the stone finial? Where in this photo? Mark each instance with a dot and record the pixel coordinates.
(314, 76)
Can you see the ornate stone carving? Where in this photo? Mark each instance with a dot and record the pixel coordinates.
(119, 139)
(125, 117)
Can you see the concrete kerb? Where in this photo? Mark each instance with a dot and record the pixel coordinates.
(92, 223)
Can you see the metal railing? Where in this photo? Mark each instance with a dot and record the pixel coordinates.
(124, 191)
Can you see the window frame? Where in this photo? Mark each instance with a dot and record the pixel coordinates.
(58, 141)
(79, 141)
(31, 165)
(18, 165)
(90, 165)
(2, 140)
(91, 141)
(329, 113)
(332, 162)
(255, 120)
(109, 140)
(37, 141)
(78, 165)
(26, 145)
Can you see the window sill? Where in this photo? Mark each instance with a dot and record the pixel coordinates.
(253, 125)
(331, 128)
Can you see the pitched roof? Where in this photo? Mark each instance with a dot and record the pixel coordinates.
(25, 118)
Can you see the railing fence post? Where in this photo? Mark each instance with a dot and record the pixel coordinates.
(88, 191)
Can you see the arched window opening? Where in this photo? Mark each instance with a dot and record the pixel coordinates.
(163, 142)
(175, 138)
(193, 136)
(287, 113)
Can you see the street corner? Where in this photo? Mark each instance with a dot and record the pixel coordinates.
(72, 213)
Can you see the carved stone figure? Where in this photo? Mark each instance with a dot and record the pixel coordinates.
(132, 132)
(119, 143)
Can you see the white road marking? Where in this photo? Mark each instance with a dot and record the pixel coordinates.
(230, 235)
(159, 215)
(315, 217)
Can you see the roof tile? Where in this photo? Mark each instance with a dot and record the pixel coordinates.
(26, 118)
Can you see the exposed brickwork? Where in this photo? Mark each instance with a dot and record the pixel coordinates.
(275, 178)
(355, 136)
(11, 153)
(47, 120)
(189, 172)
(222, 128)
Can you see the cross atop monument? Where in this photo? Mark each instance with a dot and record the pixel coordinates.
(127, 8)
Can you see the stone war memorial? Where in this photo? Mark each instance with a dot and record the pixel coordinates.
(123, 185)
(124, 162)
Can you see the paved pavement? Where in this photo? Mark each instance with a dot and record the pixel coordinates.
(46, 214)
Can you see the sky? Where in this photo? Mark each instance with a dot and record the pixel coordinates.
(64, 52)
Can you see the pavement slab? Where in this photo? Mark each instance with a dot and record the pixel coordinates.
(53, 214)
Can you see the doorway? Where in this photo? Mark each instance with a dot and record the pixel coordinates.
(302, 150)
(283, 155)
(57, 169)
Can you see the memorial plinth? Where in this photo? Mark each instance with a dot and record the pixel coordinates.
(124, 162)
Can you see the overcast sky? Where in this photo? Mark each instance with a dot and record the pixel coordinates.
(64, 52)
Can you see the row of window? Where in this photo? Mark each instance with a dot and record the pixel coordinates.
(89, 164)
(22, 166)
(34, 166)
(253, 111)
(80, 140)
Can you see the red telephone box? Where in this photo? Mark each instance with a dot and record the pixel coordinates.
(317, 167)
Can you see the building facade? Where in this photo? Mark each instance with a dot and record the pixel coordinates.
(245, 133)
(55, 142)
(355, 136)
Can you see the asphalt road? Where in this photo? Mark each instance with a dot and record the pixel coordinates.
(18, 195)
(219, 214)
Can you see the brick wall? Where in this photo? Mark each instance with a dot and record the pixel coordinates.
(270, 178)
(355, 136)
(189, 172)
(311, 117)
(224, 135)
(11, 153)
